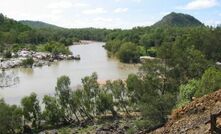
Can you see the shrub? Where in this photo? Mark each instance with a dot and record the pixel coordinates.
(28, 62)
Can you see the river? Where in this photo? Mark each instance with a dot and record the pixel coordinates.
(42, 80)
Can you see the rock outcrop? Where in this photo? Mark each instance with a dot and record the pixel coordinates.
(193, 118)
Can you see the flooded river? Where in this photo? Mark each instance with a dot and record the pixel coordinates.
(42, 80)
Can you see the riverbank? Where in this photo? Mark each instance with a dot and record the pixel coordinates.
(37, 59)
(85, 42)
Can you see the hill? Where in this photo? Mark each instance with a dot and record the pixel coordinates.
(8, 25)
(178, 20)
(39, 25)
(194, 117)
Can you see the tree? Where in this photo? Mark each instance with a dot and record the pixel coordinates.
(10, 118)
(183, 59)
(8, 79)
(91, 89)
(135, 88)
(210, 81)
(28, 62)
(32, 110)
(147, 40)
(187, 91)
(105, 103)
(63, 92)
(154, 109)
(53, 112)
(75, 103)
(120, 94)
(128, 53)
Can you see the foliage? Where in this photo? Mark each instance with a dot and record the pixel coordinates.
(184, 55)
(7, 54)
(128, 53)
(8, 78)
(39, 25)
(32, 109)
(53, 113)
(63, 92)
(10, 118)
(54, 48)
(210, 82)
(105, 103)
(28, 62)
(187, 91)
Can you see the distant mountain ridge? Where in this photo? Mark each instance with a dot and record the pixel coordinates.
(178, 20)
(39, 24)
(172, 20)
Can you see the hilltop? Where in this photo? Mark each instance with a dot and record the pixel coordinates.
(7, 24)
(39, 24)
(178, 20)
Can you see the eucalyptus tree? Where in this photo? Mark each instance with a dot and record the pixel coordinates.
(53, 113)
(10, 118)
(91, 90)
(63, 93)
(32, 110)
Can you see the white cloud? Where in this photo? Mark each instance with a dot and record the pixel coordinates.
(94, 11)
(80, 5)
(164, 13)
(60, 4)
(120, 10)
(137, 1)
(200, 4)
(213, 22)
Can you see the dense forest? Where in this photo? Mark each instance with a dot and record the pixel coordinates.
(185, 66)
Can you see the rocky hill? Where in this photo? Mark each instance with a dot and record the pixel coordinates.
(178, 20)
(194, 118)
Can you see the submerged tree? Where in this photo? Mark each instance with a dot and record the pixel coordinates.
(8, 79)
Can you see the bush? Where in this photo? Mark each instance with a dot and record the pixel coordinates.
(28, 62)
(10, 118)
(152, 52)
(129, 53)
(187, 91)
(210, 82)
(54, 48)
(7, 54)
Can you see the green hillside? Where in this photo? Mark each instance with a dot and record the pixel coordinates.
(39, 24)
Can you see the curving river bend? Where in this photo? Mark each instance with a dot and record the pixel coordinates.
(43, 80)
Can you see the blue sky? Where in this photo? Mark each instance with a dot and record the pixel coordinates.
(109, 13)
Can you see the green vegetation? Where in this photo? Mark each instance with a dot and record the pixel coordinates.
(54, 48)
(39, 25)
(209, 82)
(28, 62)
(10, 118)
(184, 67)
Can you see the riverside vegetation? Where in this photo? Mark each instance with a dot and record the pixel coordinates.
(185, 67)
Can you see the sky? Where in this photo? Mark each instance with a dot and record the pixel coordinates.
(109, 13)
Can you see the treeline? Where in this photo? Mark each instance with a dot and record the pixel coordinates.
(128, 45)
(16, 33)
